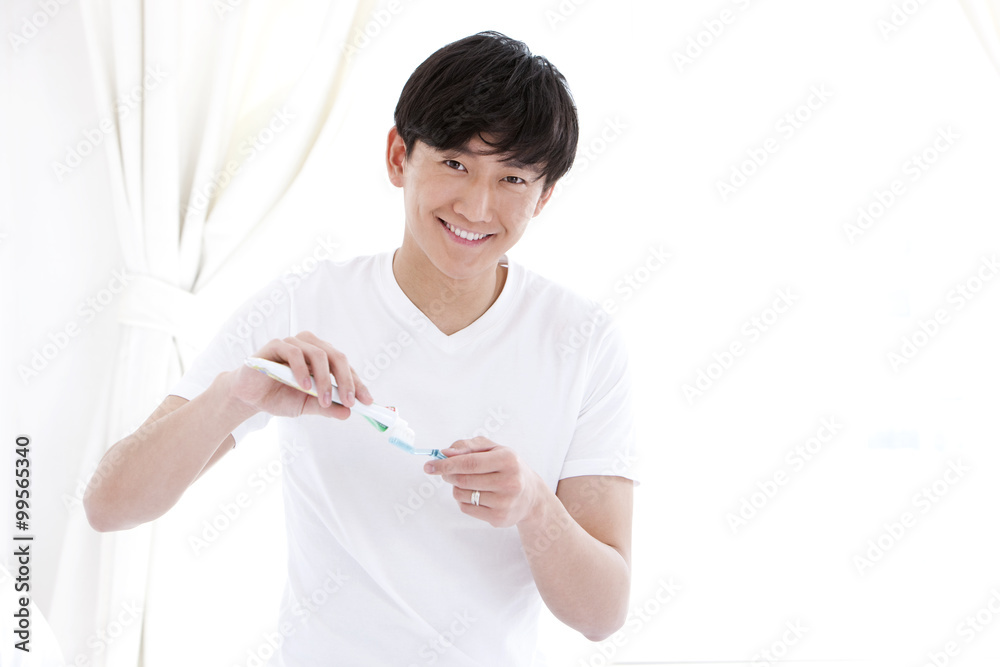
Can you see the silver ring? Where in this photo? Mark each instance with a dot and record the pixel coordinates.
(475, 498)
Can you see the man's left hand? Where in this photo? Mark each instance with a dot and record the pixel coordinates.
(508, 489)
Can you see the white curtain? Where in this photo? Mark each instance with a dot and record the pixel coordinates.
(985, 18)
(193, 97)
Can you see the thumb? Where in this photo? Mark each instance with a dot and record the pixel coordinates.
(477, 444)
(312, 407)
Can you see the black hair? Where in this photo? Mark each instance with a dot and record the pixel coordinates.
(490, 84)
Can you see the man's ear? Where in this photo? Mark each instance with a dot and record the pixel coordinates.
(395, 157)
(544, 199)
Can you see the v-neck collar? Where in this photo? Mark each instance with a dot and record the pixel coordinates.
(401, 304)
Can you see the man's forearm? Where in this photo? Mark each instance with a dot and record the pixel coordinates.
(143, 475)
(584, 582)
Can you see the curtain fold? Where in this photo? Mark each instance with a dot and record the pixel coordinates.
(985, 18)
(182, 84)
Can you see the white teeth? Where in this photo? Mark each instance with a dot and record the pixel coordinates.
(464, 234)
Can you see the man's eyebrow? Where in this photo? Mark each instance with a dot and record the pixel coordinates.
(517, 164)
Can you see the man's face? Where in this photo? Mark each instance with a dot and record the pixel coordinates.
(464, 209)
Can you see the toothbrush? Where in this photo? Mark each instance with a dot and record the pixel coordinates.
(385, 419)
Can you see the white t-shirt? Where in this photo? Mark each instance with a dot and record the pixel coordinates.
(384, 569)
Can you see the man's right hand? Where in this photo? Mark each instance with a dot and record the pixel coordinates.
(306, 355)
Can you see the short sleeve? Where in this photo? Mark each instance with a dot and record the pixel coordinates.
(263, 317)
(604, 440)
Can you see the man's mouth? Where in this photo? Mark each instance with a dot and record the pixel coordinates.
(463, 234)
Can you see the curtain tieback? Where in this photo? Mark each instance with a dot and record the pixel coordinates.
(156, 304)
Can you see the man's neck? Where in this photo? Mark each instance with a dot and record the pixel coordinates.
(451, 305)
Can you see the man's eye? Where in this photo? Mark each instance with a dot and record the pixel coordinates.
(516, 180)
(454, 164)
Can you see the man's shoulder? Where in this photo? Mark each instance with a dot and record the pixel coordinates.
(554, 296)
(321, 275)
(571, 320)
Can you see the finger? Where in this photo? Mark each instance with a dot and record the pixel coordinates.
(318, 353)
(299, 356)
(316, 364)
(468, 447)
(319, 364)
(348, 389)
(312, 406)
(489, 482)
(467, 462)
(290, 353)
(345, 377)
(459, 447)
(464, 496)
(364, 395)
(336, 364)
(477, 444)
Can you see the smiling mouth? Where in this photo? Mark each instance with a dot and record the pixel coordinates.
(462, 234)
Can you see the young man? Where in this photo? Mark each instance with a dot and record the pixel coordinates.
(523, 384)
